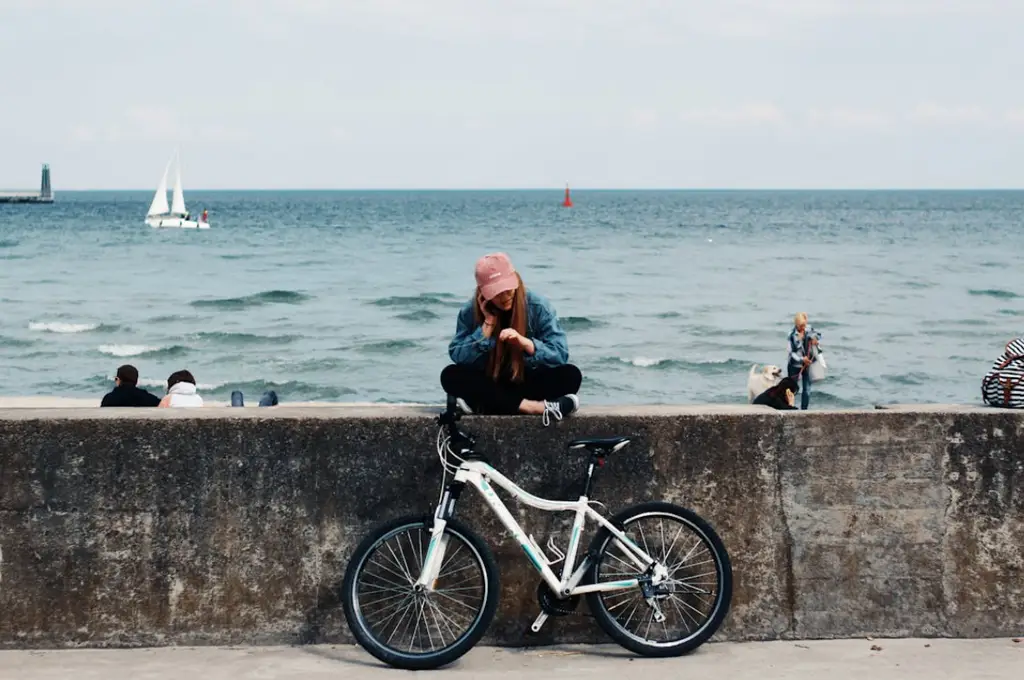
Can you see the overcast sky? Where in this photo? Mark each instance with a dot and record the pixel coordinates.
(513, 93)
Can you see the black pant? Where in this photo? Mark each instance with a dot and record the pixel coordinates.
(503, 397)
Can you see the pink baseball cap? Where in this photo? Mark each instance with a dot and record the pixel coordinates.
(495, 275)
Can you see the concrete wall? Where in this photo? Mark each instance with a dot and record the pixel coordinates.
(147, 527)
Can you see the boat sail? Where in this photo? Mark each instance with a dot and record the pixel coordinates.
(159, 204)
(177, 215)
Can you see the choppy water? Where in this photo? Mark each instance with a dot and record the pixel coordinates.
(668, 297)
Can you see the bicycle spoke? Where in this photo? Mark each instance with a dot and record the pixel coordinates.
(414, 621)
(687, 598)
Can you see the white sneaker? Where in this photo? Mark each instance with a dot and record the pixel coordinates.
(560, 408)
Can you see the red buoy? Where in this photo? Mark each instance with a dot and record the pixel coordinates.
(567, 203)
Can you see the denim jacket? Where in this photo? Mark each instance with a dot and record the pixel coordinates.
(799, 348)
(469, 347)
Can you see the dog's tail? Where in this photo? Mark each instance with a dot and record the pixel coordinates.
(753, 370)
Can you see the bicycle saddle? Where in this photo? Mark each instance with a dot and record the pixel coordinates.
(599, 445)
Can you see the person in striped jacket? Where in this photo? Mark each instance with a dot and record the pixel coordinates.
(1004, 384)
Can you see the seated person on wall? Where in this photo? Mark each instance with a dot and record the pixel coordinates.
(1004, 384)
(181, 391)
(781, 397)
(126, 391)
(511, 356)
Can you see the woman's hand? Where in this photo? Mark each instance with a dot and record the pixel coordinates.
(490, 319)
(511, 335)
(807, 361)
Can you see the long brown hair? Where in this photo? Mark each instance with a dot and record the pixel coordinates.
(514, 318)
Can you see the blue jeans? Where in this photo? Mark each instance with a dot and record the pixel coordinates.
(805, 385)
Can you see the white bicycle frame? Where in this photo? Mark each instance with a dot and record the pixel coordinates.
(482, 476)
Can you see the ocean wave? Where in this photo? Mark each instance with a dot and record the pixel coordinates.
(289, 390)
(315, 365)
(822, 398)
(172, 318)
(244, 338)
(716, 365)
(1012, 312)
(418, 315)
(579, 323)
(267, 297)
(9, 243)
(147, 351)
(162, 384)
(389, 346)
(913, 378)
(443, 299)
(6, 341)
(66, 327)
(994, 292)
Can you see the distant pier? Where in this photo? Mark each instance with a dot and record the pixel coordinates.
(44, 195)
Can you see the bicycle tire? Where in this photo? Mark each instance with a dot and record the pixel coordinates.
(723, 568)
(406, 659)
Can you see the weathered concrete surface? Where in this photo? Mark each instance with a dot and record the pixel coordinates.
(148, 527)
(999, 659)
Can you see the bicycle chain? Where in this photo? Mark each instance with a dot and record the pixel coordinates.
(549, 604)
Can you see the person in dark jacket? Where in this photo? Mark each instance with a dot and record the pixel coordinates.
(510, 354)
(127, 392)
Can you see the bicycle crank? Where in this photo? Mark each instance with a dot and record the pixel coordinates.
(550, 606)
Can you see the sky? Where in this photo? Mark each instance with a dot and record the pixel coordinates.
(350, 94)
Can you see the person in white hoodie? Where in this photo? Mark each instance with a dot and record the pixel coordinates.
(181, 391)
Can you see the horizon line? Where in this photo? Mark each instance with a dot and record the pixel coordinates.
(554, 190)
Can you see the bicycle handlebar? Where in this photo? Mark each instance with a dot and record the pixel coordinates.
(449, 418)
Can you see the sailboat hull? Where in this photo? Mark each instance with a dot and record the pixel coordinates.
(175, 223)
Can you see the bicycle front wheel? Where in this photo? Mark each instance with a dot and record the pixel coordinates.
(418, 630)
(694, 599)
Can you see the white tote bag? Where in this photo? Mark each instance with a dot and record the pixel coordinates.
(816, 371)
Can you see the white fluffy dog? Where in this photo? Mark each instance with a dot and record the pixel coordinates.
(760, 380)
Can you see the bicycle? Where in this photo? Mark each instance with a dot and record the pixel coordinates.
(419, 592)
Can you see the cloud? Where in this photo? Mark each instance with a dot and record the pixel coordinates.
(850, 119)
(154, 123)
(641, 118)
(84, 133)
(339, 135)
(937, 114)
(746, 114)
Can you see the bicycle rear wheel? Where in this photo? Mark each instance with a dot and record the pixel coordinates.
(419, 630)
(694, 599)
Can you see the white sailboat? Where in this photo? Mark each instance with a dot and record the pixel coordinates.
(175, 216)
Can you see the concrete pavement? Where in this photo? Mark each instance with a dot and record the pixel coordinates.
(794, 660)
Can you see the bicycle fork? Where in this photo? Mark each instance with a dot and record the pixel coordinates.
(438, 544)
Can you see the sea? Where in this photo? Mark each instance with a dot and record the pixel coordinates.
(668, 297)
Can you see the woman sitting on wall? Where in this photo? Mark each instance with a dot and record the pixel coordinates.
(510, 354)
